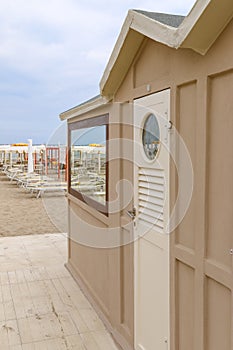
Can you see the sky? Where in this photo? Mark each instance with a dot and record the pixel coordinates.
(52, 57)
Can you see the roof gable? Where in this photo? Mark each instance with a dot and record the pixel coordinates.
(198, 31)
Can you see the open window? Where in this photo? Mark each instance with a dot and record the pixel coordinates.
(88, 161)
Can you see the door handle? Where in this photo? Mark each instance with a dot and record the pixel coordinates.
(131, 213)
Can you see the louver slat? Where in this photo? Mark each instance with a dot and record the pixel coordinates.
(151, 197)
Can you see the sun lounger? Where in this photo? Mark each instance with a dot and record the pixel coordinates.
(43, 183)
(22, 180)
(34, 180)
(12, 173)
(42, 189)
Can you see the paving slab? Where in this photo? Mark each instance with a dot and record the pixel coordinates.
(41, 306)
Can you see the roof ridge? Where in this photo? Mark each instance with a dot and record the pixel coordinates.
(160, 13)
(172, 20)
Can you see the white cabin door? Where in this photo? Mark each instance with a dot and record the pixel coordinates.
(151, 201)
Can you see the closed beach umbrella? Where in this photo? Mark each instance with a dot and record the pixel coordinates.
(30, 157)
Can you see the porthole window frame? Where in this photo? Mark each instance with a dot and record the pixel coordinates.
(141, 137)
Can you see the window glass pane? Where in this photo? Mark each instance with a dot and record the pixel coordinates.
(88, 162)
(151, 137)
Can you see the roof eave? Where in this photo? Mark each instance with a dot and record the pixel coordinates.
(84, 108)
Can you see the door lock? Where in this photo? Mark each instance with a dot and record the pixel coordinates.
(132, 213)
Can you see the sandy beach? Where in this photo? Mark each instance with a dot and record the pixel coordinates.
(23, 214)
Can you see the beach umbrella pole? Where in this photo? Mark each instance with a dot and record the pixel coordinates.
(30, 157)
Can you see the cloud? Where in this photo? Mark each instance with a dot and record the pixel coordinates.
(53, 53)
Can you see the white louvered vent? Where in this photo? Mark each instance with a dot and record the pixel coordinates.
(151, 197)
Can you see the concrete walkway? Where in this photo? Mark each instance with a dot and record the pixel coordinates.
(41, 306)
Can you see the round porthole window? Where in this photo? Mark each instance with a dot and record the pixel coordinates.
(151, 136)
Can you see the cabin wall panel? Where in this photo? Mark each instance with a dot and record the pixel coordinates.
(219, 169)
(187, 127)
(185, 282)
(218, 316)
(158, 61)
(92, 264)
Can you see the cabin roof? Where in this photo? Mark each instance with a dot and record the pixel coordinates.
(84, 107)
(197, 31)
(165, 18)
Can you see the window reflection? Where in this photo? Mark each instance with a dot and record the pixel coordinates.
(88, 162)
(151, 137)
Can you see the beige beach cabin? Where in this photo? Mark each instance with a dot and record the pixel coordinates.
(151, 183)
